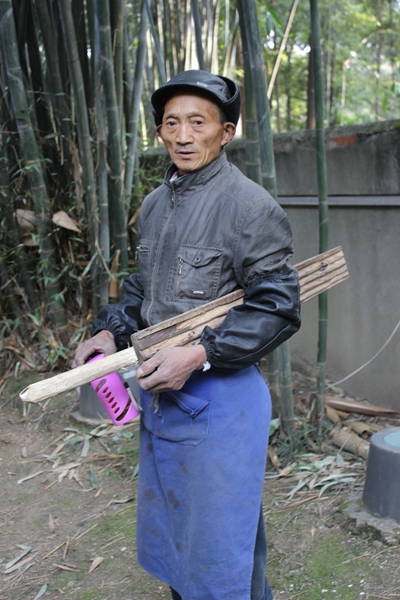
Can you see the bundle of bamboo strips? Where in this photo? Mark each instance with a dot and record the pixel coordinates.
(316, 274)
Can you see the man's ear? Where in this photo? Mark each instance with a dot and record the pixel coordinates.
(229, 133)
(158, 131)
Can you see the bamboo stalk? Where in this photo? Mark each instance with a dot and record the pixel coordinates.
(157, 47)
(322, 200)
(117, 211)
(78, 14)
(197, 33)
(102, 178)
(249, 22)
(132, 122)
(61, 109)
(12, 233)
(251, 38)
(253, 171)
(117, 11)
(84, 137)
(285, 378)
(282, 48)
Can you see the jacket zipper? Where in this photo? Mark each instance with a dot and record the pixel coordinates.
(178, 279)
(140, 249)
(158, 255)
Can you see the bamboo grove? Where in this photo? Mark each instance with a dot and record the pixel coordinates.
(75, 82)
(72, 78)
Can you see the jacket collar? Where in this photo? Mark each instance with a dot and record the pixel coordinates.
(196, 178)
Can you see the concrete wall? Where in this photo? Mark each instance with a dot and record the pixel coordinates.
(363, 164)
(364, 310)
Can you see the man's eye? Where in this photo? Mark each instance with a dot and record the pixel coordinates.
(170, 123)
(197, 122)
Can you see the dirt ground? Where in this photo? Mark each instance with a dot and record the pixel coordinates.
(68, 512)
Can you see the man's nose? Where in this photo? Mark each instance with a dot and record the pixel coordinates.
(184, 134)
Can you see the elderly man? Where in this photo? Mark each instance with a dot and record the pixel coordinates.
(205, 232)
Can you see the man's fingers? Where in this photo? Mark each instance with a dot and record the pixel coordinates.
(81, 356)
(149, 366)
(103, 342)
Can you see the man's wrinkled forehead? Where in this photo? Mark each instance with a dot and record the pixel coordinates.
(190, 105)
(183, 94)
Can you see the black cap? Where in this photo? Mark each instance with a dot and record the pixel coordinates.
(221, 90)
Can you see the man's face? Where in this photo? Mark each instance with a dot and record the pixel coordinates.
(192, 132)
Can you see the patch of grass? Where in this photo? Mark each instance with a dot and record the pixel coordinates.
(24, 498)
(97, 543)
(93, 595)
(331, 569)
(66, 580)
(307, 438)
(123, 521)
(66, 502)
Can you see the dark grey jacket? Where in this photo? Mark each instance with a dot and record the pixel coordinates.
(200, 237)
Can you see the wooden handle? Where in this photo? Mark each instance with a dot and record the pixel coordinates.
(41, 390)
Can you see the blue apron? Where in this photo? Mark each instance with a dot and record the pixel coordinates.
(202, 464)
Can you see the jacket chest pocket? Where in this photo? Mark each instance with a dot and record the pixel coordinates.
(196, 273)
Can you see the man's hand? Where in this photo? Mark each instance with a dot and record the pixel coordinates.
(102, 342)
(169, 369)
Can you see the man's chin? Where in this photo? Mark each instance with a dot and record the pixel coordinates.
(186, 166)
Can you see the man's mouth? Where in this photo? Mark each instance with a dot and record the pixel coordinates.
(185, 153)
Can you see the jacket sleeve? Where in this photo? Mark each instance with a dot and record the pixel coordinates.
(123, 319)
(270, 313)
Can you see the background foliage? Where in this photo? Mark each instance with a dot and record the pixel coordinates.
(75, 82)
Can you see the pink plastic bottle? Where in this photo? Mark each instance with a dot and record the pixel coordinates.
(115, 396)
